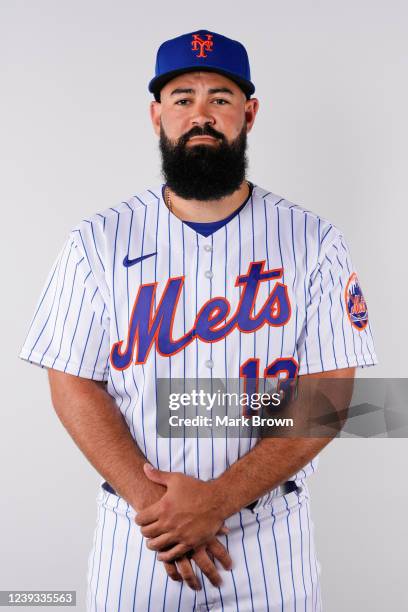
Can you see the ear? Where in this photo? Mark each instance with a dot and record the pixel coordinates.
(155, 115)
(251, 109)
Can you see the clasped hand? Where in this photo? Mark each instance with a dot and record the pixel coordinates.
(187, 516)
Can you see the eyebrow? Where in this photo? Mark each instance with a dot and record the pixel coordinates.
(214, 90)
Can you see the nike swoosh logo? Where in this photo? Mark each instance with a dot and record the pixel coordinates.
(131, 262)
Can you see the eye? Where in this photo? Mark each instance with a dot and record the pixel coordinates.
(182, 102)
(221, 101)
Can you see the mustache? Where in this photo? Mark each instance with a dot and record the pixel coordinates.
(207, 130)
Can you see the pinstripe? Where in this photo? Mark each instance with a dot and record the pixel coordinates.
(225, 342)
(367, 341)
(124, 564)
(165, 592)
(45, 293)
(204, 589)
(318, 326)
(196, 344)
(239, 341)
(320, 301)
(127, 269)
(184, 352)
(75, 330)
(262, 563)
(91, 572)
(290, 552)
(114, 297)
(325, 235)
(100, 557)
(310, 560)
(52, 306)
(137, 573)
(342, 321)
(277, 557)
(95, 245)
(78, 231)
(245, 559)
(86, 344)
(302, 557)
(111, 555)
(104, 219)
(102, 313)
(151, 584)
(330, 316)
(232, 574)
(211, 356)
(66, 315)
(94, 294)
(179, 600)
(306, 310)
(143, 368)
(283, 270)
(253, 259)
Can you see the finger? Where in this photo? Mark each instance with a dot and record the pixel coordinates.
(207, 566)
(173, 553)
(163, 542)
(219, 552)
(223, 530)
(151, 531)
(156, 475)
(172, 572)
(148, 515)
(186, 571)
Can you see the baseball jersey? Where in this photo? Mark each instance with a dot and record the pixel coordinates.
(137, 295)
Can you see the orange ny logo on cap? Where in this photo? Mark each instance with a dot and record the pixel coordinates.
(198, 44)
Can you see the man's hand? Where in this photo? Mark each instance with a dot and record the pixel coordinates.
(203, 556)
(185, 518)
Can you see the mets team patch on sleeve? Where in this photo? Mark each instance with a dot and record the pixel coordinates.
(355, 303)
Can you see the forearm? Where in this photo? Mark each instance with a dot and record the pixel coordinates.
(318, 414)
(270, 463)
(97, 426)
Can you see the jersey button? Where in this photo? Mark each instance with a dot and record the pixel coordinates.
(209, 363)
(208, 274)
(207, 247)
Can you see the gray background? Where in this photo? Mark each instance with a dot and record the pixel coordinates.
(76, 138)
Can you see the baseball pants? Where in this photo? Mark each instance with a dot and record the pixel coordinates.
(275, 568)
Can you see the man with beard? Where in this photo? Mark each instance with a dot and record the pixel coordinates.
(205, 277)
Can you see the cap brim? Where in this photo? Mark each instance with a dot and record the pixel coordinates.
(157, 83)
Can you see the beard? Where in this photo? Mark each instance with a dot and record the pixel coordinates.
(204, 172)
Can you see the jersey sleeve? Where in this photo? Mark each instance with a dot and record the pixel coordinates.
(70, 328)
(336, 332)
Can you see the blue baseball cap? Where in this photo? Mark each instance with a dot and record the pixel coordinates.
(202, 50)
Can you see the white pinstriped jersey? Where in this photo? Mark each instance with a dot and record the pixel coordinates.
(92, 302)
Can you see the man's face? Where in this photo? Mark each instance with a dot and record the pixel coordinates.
(202, 120)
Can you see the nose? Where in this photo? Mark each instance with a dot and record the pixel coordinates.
(201, 115)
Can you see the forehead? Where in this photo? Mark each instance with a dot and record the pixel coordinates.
(201, 81)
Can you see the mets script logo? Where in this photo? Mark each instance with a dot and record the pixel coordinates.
(198, 44)
(355, 302)
(150, 327)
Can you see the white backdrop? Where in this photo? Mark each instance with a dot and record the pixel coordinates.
(76, 138)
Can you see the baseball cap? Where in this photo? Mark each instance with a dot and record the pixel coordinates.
(202, 50)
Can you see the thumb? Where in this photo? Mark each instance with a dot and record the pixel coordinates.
(223, 530)
(155, 475)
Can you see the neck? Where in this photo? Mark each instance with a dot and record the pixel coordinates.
(210, 210)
